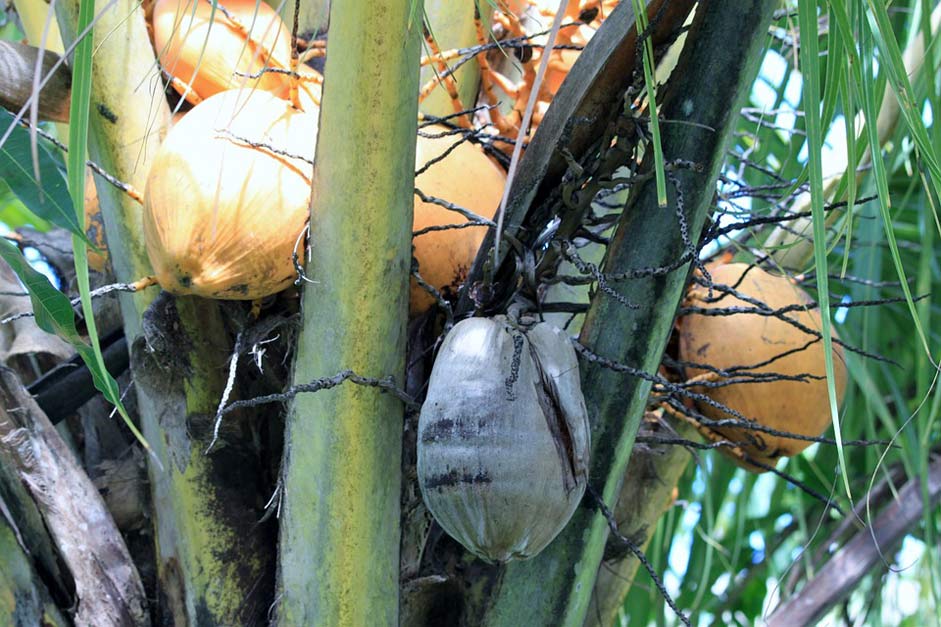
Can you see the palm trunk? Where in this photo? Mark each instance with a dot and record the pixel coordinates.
(339, 543)
(23, 597)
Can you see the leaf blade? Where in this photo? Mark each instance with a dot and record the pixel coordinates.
(48, 196)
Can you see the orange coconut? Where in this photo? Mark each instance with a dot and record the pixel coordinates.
(204, 48)
(222, 217)
(747, 339)
(467, 178)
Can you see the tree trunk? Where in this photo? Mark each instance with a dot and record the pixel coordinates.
(23, 597)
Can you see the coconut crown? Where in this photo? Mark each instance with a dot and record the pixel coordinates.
(503, 437)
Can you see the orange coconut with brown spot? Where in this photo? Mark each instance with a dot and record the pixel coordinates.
(761, 344)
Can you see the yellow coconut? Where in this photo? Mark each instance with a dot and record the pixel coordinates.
(749, 339)
(209, 51)
(467, 178)
(228, 194)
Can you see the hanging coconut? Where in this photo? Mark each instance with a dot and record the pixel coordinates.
(207, 49)
(503, 437)
(467, 178)
(228, 196)
(761, 345)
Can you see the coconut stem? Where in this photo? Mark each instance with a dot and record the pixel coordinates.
(339, 544)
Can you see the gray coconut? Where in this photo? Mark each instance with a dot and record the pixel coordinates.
(503, 437)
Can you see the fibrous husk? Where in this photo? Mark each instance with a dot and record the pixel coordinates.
(503, 437)
(203, 47)
(228, 196)
(746, 339)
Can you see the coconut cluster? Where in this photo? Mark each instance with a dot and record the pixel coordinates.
(503, 438)
(228, 195)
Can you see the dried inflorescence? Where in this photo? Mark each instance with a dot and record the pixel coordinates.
(503, 437)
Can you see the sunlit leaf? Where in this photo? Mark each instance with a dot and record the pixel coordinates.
(48, 196)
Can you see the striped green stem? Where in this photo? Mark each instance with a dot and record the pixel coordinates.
(339, 544)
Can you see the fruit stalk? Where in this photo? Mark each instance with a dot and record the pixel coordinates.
(339, 544)
(452, 26)
(646, 494)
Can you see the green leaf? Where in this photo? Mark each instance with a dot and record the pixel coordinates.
(651, 83)
(78, 147)
(47, 197)
(14, 214)
(52, 308)
(810, 66)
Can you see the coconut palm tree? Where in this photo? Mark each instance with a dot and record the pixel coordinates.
(279, 438)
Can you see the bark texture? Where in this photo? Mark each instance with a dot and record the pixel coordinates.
(108, 589)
